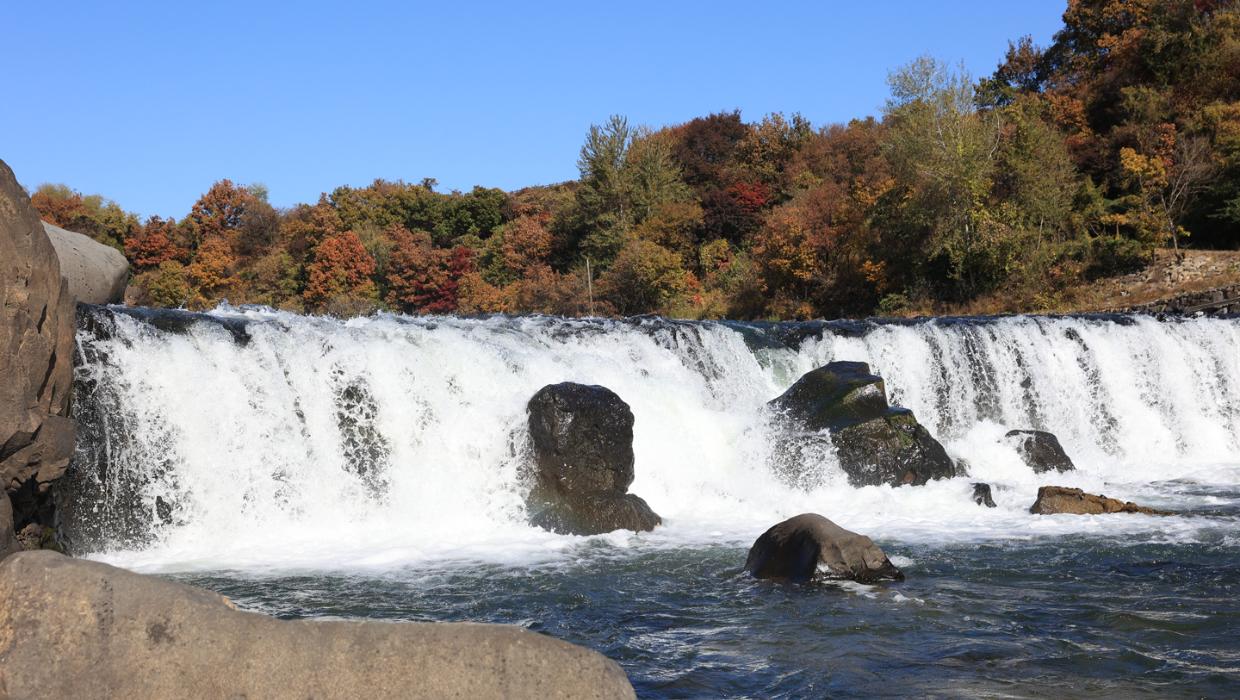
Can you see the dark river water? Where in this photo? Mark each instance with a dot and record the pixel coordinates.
(1071, 616)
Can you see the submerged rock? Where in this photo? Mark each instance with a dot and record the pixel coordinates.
(876, 443)
(1040, 450)
(809, 547)
(142, 636)
(1058, 499)
(981, 495)
(582, 442)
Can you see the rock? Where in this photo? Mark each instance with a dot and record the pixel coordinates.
(36, 354)
(981, 495)
(8, 539)
(1040, 450)
(876, 443)
(73, 628)
(1058, 499)
(96, 273)
(810, 547)
(582, 444)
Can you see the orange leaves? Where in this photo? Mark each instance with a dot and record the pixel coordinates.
(341, 269)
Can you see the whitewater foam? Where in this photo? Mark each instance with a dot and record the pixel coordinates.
(387, 441)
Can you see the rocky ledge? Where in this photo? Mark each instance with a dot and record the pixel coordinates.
(71, 628)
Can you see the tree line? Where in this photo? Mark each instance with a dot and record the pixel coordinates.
(1070, 162)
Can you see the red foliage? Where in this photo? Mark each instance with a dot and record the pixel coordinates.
(153, 244)
(425, 279)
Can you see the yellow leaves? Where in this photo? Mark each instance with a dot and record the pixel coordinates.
(876, 274)
(1149, 171)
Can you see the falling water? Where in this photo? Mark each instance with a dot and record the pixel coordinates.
(250, 437)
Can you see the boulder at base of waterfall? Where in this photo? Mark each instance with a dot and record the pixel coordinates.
(71, 628)
(809, 547)
(582, 442)
(981, 495)
(1040, 450)
(876, 443)
(1058, 499)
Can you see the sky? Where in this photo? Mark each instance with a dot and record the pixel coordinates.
(148, 103)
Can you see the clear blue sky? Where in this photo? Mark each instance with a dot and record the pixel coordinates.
(148, 103)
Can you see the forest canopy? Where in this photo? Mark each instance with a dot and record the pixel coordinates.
(1071, 161)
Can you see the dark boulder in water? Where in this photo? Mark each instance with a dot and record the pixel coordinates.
(876, 443)
(981, 495)
(1058, 499)
(810, 547)
(1040, 450)
(582, 442)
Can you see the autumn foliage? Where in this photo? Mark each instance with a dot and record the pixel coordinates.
(1069, 162)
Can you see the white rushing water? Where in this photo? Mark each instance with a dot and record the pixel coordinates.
(246, 455)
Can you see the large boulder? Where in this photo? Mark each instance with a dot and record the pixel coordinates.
(95, 273)
(809, 547)
(1040, 450)
(71, 628)
(876, 443)
(36, 355)
(1058, 499)
(582, 462)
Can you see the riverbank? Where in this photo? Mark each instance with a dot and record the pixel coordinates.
(1167, 284)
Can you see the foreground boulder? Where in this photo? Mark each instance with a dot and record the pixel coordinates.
(1040, 450)
(36, 357)
(94, 272)
(1058, 499)
(876, 443)
(809, 547)
(582, 442)
(78, 629)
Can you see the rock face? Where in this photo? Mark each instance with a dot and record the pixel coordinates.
(1058, 499)
(145, 637)
(1040, 450)
(809, 547)
(582, 441)
(876, 443)
(36, 355)
(8, 539)
(96, 273)
(981, 495)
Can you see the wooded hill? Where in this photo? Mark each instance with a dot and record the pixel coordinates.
(1071, 162)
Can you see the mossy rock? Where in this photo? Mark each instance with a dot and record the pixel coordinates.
(876, 443)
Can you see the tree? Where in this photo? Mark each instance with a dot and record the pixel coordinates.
(644, 277)
(91, 215)
(943, 154)
(1169, 177)
(218, 213)
(340, 272)
(425, 279)
(153, 244)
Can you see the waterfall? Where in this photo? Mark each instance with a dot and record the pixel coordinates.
(247, 436)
